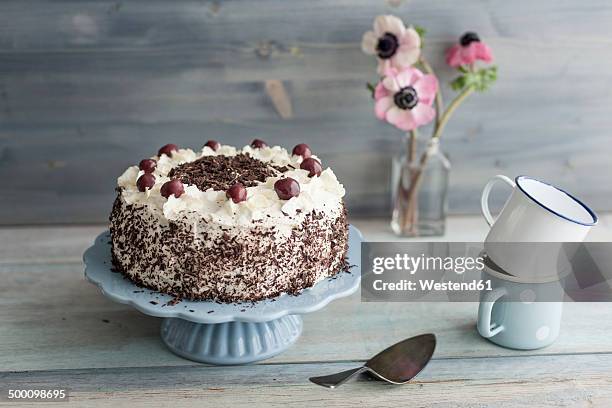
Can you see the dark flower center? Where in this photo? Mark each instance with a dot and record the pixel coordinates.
(387, 45)
(406, 98)
(468, 38)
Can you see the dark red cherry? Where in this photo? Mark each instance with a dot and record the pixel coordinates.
(287, 188)
(172, 187)
(237, 193)
(302, 150)
(147, 165)
(213, 144)
(312, 165)
(258, 144)
(145, 182)
(167, 149)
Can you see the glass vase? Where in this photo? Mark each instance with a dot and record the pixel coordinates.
(419, 187)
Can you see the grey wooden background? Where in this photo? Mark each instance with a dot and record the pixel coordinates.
(90, 87)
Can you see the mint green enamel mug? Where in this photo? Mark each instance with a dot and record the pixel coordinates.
(510, 314)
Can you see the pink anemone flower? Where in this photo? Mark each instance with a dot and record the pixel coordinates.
(394, 45)
(404, 98)
(468, 50)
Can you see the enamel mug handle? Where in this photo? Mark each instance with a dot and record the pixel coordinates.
(484, 199)
(484, 313)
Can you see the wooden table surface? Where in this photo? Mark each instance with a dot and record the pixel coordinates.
(57, 330)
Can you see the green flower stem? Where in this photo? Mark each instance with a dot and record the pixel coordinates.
(412, 139)
(439, 103)
(449, 111)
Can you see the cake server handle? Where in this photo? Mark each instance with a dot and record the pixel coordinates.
(336, 380)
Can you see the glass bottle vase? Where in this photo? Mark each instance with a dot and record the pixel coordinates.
(419, 187)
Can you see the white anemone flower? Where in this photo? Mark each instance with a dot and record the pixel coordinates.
(394, 45)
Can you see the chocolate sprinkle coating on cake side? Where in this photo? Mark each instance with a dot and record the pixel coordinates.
(172, 260)
(222, 172)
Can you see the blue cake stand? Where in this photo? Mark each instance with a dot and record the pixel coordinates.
(223, 333)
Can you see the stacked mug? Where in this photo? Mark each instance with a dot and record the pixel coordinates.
(510, 315)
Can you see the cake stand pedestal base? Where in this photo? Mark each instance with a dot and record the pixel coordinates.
(224, 333)
(230, 342)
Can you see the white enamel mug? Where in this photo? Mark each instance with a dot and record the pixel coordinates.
(534, 212)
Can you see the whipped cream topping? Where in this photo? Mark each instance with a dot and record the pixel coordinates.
(323, 193)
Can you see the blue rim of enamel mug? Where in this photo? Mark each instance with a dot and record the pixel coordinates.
(583, 205)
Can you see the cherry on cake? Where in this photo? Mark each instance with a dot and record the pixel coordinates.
(229, 224)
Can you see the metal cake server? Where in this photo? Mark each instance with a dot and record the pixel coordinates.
(397, 364)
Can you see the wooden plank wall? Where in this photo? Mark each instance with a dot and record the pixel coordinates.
(90, 87)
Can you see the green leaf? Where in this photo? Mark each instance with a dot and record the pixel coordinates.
(371, 88)
(481, 80)
(458, 83)
(486, 78)
(421, 31)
